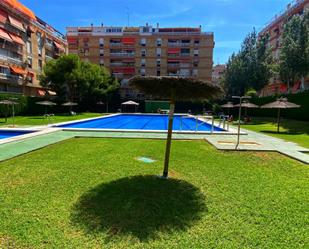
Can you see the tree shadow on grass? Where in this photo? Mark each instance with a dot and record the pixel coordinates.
(140, 206)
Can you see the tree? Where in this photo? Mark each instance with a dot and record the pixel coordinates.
(74, 79)
(294, 51)
(251, 67)
(175, 89)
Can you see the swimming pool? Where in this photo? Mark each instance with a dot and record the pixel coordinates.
(142, 122)
(12, 133)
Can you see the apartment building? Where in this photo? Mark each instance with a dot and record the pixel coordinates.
(145, 50)
(217, 72)
(275, 28)
(26, 43)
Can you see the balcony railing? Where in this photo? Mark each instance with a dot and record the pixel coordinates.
(11, 78)
(179, 44)
(122, 54)
(10, 59)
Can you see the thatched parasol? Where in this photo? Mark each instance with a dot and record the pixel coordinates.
(174, 89)
(130, 103)
(281, 103)
(46, 103)
(228, 106)
(246, 104)
(12, 103)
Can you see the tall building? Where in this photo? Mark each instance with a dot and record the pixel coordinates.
(275, 28)
(26, 43)
(217, 72)
(145, 50)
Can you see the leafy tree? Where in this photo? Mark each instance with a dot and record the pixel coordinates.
(74, 79)
(251, 67)
(294, 51)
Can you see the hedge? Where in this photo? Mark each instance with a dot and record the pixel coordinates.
(301, 113)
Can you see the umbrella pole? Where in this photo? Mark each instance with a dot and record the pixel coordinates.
(238, 130)
(278, 120)
(13, 116)
(169, 138)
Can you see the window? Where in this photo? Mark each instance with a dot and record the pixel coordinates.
(143, 62)
(143, 71)
(146, 29)
(195, 63)
(158, 73)
(196, 42)
(158, 62)
(101, 41)
(195, 52)
(159, 52)
(29, 62)
(29, 47)
(159, 42)
(40, 50)
(101, 62)
(113, 30)
(195, 72)
(143, 52)
(4, 70)
(40, 64)
(101, 52)
(143, 41)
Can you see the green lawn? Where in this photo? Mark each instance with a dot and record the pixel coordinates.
(290, 130)
(41, 120)
(93, 193)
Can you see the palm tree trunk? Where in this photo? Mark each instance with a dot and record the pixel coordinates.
(169, 138)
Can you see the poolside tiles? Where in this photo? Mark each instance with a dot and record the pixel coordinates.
(253, 141)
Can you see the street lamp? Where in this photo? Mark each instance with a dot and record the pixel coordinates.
(239, 115)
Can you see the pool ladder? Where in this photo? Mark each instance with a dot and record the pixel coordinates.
(197, 119)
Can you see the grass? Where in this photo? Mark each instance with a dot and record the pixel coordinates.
(21, 121)
(290, 130)
(93, 193)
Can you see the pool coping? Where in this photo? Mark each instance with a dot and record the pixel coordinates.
(231, 130)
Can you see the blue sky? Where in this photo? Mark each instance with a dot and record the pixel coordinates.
(230, 20)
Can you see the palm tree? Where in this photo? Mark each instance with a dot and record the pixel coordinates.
(175, 89)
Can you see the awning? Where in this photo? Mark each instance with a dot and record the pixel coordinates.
(283, 88)
(16, 23)
(59, 46)
(18, 70)
(41, 92)
(173, 50)
(17, 5)
(128, 41)
(17, 39)
(3, 16)
(129, 70)
(30, 74)
(4, 35)
(72, 40)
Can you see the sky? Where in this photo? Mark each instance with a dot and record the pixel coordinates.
(230, 20)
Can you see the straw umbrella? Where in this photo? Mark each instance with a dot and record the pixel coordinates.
(70, 104)
(174, 89)
(281, 103)
(46, 104)
(247, 104)
(12, 103)
(228, 106)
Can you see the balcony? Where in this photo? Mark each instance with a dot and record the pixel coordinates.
(178, 44)
(8, 57)
(11, 78)
(122, 54)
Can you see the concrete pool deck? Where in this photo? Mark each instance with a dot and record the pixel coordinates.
(253, 141)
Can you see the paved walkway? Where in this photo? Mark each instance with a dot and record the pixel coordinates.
(253, 141)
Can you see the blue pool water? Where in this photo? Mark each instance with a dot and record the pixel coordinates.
(142, 122)
(6, 133)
